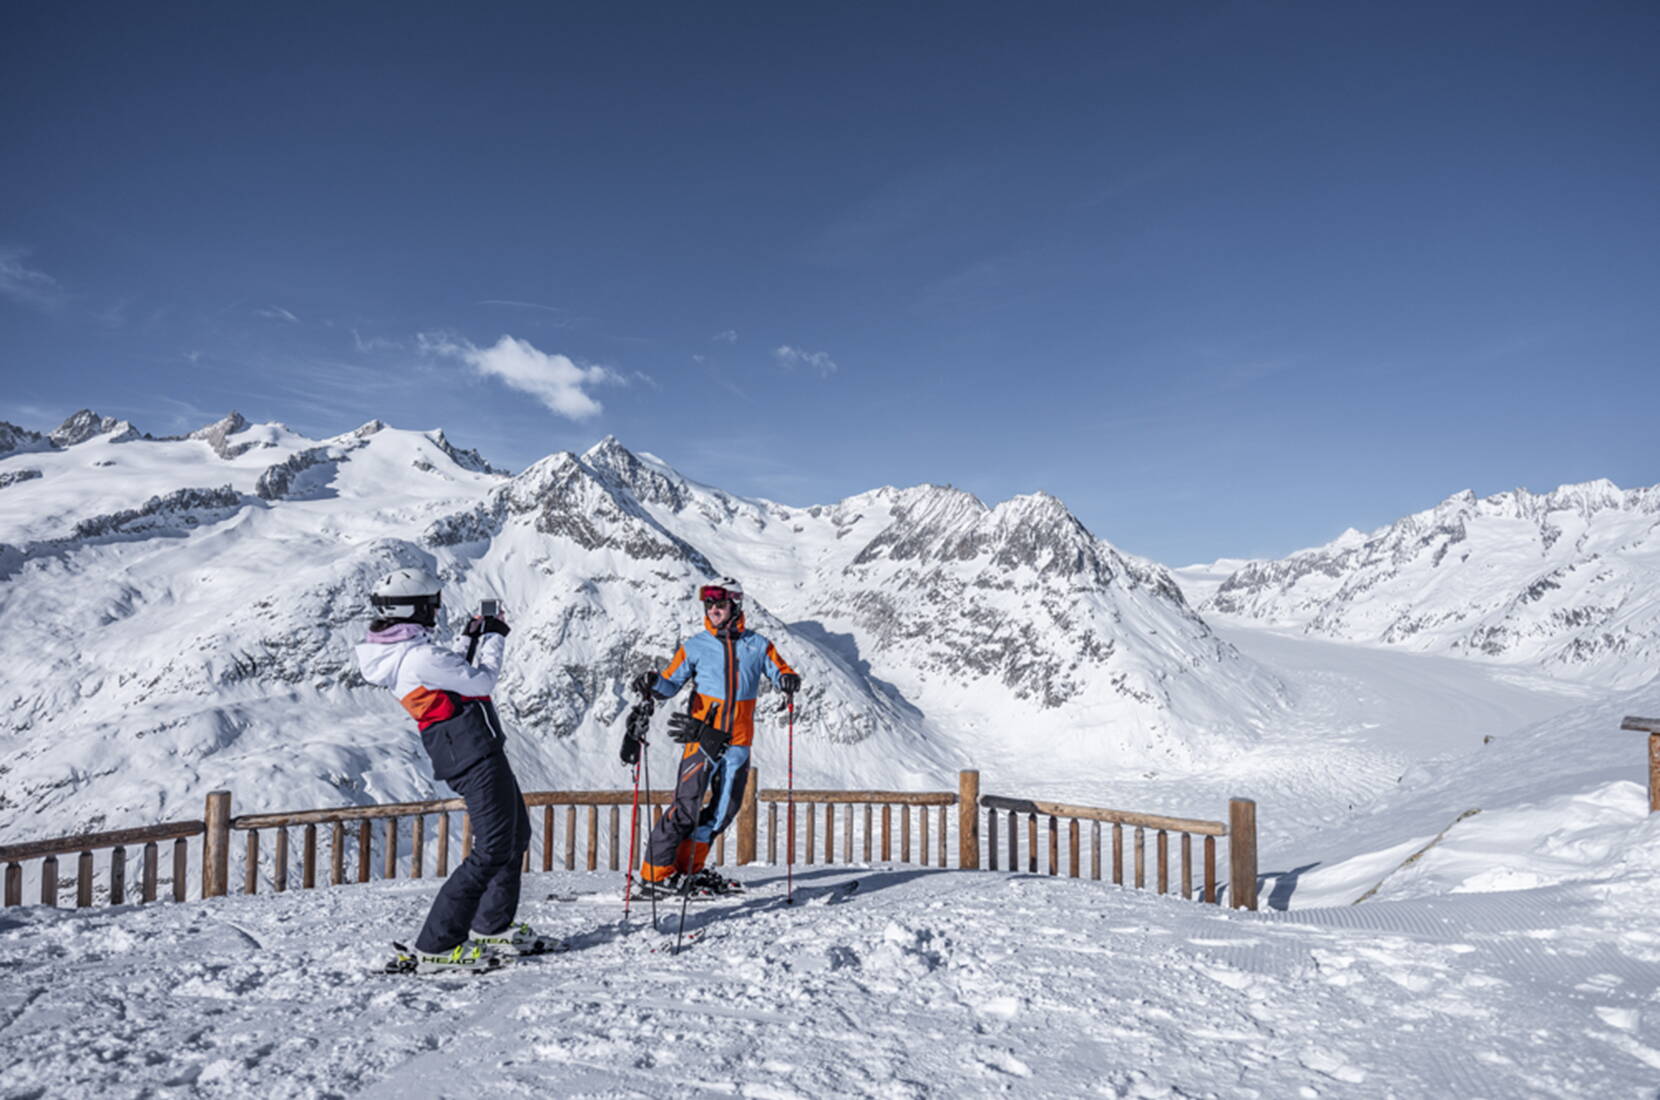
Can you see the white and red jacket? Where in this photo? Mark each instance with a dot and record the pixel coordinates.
(448, 698)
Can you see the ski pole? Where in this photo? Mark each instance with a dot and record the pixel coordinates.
(789, 849)
(645, 767)
(685, 898)
(633, 841)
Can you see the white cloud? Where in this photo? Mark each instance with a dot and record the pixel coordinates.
(24, 284)
(552, 379)
(730, 336)
(790, 358)
(277, 313)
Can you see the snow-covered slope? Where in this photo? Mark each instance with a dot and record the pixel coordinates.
(1566, 581)
(919, 984)
(181, 612)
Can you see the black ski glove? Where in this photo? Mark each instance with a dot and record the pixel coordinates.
(645, 683)
(639, 721)
(485, 624)
(685, 729)
(789, 683)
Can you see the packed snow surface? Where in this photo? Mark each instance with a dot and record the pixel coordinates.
(919, 983)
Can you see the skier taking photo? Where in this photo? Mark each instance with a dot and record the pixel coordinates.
(727, 662)
(471, 924)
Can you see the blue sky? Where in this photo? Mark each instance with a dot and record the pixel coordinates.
(1225, 278)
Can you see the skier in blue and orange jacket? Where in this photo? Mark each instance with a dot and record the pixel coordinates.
(727, 662)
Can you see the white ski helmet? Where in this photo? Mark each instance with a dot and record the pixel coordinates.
(724, 589)
(408, 594)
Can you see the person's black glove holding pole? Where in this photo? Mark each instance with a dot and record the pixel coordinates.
(639, 718)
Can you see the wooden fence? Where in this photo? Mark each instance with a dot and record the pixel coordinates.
(860, 826)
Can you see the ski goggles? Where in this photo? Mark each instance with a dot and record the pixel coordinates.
(417, 602)
(714, 593)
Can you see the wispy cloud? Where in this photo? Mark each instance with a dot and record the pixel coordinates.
(510, 303)
(373, 343)
(554, 380)
(277, 313)
(730, 336)
(114, 315)
(790, 358)
(26, 285)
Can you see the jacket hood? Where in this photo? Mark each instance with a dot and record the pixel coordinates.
(734, 626)
(379, 657)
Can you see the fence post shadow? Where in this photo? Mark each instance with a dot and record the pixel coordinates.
(1285, 884)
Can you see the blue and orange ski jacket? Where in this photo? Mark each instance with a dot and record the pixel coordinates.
(728, 665)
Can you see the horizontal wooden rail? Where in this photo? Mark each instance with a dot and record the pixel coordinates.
(873, 798)
(594, 798)
(448, 805)
(1116, 817)
(283, 819)
(68, 845)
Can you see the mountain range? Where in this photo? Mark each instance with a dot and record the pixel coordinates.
(181, 613)
(1563, 581)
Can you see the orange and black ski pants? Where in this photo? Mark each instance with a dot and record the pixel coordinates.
(680, 842)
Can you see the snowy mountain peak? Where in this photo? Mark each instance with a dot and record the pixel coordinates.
(14, 439)
(217, 436)
(467, 459)
(230, 424)
(649, 480)
(364, 431)
(86, 424)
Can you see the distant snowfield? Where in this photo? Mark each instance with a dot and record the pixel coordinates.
(919, 984)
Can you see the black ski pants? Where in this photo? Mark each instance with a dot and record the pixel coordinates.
(483, 893)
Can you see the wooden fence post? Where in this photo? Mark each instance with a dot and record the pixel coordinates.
(1651, 726)
(1242, 852)
(181, 863)
(279, 873)
(152, 857)
(250, 861)
(365, 832)
(968, 820)
(616, 838)
(749, 818)
(118, 875)
(216, 845)
(83, 880)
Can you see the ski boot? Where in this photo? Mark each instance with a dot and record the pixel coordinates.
(673, 888)
(467, 958)
(714, 883)
(517, 939)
